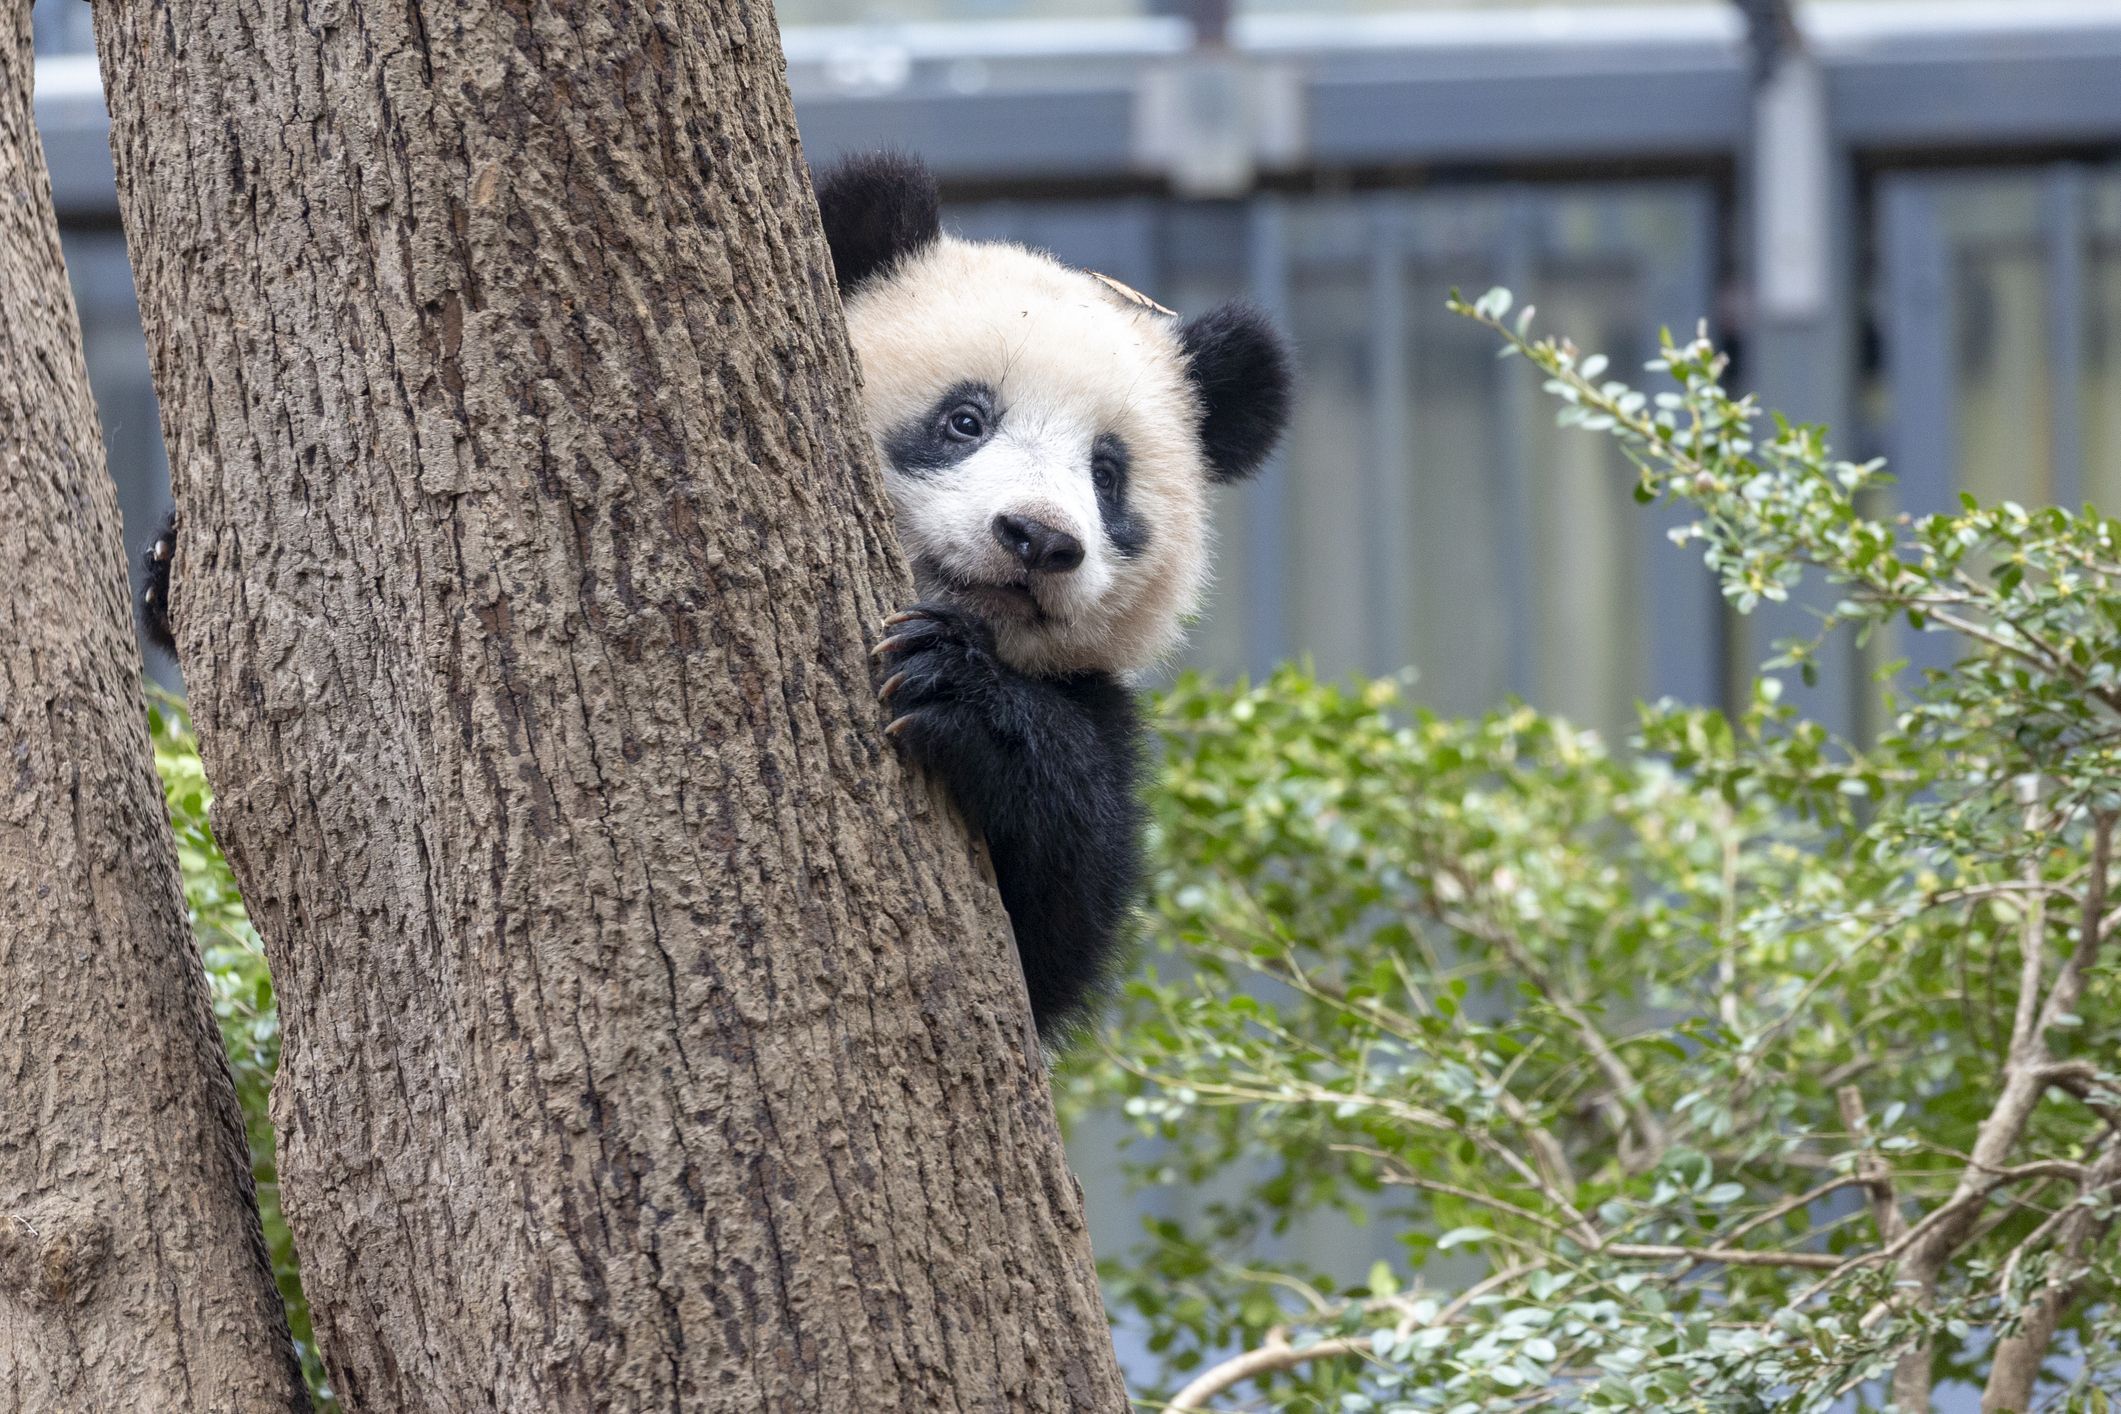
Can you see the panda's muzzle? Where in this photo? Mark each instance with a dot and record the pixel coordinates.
(1037, 546)
(1013, 598)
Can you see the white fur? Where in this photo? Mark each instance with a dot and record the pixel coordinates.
(1069, 360)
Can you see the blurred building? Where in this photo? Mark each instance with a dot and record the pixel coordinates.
(1904, 216)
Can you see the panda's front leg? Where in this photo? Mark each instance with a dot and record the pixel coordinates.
(156, 560)
(1046, 769)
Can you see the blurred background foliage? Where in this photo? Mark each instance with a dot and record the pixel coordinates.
(242, 993)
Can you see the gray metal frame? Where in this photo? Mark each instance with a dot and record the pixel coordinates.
(1011, 102)
(1825, 112)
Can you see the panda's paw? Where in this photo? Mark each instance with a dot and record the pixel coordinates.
(942, 678)
(155, 559)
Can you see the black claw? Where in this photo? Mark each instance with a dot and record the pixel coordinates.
(157, 562)
(936, 658)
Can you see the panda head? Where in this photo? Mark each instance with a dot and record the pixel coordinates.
(1048, 435)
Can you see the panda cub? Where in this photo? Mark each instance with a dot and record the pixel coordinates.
(1048, 437)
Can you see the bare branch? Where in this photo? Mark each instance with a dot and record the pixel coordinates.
(1547, 1173)
(1724, 1253)
(1751, 1061)
(1463, 1302)
(2091, 929)
(1955, 1214)
(1266, 1360)
(1726, 1256)
(1790, 1205)
(2079, 1079)
(1277, 1354)
(2026, 1076)
(1400, 1177)
(1649, 1130)
(2033, 943)
(1870, 1168)
(2029, 656)
(2015, 1367)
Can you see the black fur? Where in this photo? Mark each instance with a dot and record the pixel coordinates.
(1046, 769)
(155, 560)
(1109, 463)
(929, 444)
(1241, 367)
(878, 209)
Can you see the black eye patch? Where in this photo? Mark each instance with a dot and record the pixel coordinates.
(1127, 531)
(956, 425)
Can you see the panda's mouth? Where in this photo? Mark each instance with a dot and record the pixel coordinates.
(1013, 599)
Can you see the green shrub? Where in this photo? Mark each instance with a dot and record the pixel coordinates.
(241, 990)
(1747, 1070)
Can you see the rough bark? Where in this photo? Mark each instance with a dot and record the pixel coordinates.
(651, 1040)
(132, 1272)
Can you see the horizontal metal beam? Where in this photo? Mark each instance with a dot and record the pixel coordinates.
(1083, 134)
(1984, 100)
(1045, 101)
(1564, 117)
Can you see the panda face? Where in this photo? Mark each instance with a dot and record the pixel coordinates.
(1039, 436)
(1048, 436)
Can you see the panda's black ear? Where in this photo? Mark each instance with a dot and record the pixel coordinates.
(879, 208)
(1241, 367)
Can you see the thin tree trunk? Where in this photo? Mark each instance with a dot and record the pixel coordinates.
(651, 1040)
(2014, 1368)
(132, 1271)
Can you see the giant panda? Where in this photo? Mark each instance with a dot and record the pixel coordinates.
(1049, 438)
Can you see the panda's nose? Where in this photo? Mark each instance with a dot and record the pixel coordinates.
(1037, 545)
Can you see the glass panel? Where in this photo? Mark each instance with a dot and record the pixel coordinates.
(2005, 267)
(1996, 317)
(1327, 552)
(1434, 516)
(2102, 355)
(1462, 625)
(1589, 537)
(2005, 444)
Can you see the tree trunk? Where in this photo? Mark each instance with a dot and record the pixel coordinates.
(2014, 1367)
(132, 1271)
(651, 1040)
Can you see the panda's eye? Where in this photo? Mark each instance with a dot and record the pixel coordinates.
(965, 423)
(1104, 476)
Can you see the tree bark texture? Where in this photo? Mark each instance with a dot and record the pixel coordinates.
(651, 1040)
(132, 1271)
